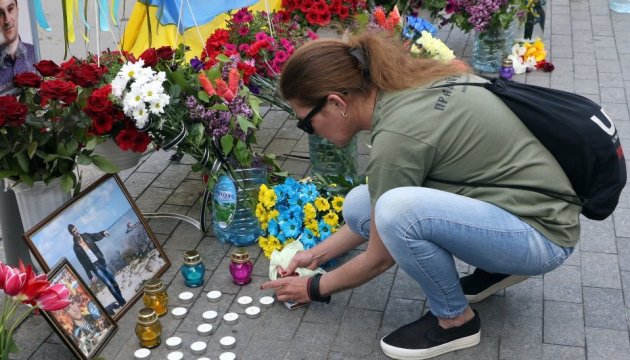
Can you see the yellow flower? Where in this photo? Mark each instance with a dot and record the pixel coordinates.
(261, 213)
(313, 226)
(273, 214)
(269, 199)
(261, 192)
(322, 204)
(272, 244)
(536, 50)
(337, 203)
(331, 219)
(309, 212)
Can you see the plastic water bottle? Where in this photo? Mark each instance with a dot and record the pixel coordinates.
(619, 6)
(233, 207)
(329, 160)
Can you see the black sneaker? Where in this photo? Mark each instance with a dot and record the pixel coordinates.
(481, 284)
(425, 338)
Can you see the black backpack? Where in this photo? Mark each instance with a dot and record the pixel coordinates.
(579, 134)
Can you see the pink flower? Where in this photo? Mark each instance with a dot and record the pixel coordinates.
(243, 48)
(55, 297)
(33, 285)
(281, 57)
(261, 36)
(230, 47)
(242, 16)
(312, 35)
(243, 31)
(13, 282)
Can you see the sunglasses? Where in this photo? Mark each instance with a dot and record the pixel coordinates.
(305, 124)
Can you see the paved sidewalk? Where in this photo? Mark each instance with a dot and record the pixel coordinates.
(579, 311)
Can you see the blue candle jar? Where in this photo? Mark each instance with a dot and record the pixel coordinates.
(193, 269)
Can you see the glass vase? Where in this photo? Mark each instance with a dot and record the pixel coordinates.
(234, 201)
(329, 160)
(490, 48)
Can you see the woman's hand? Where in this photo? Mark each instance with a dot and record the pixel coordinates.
(303, 259)
(289, 289)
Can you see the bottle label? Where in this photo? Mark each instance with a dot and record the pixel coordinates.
(224, 201)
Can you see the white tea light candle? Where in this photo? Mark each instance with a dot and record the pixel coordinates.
(230, 318)
(227, 356)
(175, 355)
(214, 296)
(209, 316)
(266, 301)
(186, 297)
(173, 343)
(198, 347)
(179, 312)
(244, 301)
(227, 342)
(204, 329)
(252, 312)
(142, 354)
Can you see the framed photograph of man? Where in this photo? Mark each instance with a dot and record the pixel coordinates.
(104, 236)
(19, 46)
(84, 326)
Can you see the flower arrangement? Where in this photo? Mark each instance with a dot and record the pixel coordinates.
(264, 41)
(296, 211)
(481, 15)
(527, 56)
(43, 133)
(431, 48)
(319, 13)
(22, 286)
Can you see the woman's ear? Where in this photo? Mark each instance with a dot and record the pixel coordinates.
(338, 102)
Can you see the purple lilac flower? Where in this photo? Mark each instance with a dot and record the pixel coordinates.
(481, 11)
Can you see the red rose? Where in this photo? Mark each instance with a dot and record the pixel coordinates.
(165, 53)
(27, 79)
(548, 67)
(141, 142)
(98, 101)
(62, 90)
(150, 57)
(102, 123)
(12, 113)
(125, 139)
(84, 75)
(47, 68)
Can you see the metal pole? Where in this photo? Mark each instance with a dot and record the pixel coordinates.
(12, 230)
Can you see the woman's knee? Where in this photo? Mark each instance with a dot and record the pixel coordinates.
(357, 210)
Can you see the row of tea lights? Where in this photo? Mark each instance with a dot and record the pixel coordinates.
(149, 329)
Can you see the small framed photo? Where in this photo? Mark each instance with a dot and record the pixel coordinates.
(84, 326)
(104, 236)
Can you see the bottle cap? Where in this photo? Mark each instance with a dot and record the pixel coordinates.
(507, 62)
(192, 257)
(153, 286)
(147, 316)
(240, 256)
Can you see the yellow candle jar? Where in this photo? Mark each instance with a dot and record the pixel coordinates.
(148, 328)
(155, 297)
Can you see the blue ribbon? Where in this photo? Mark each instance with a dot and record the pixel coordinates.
(415, 25)
(39, 15)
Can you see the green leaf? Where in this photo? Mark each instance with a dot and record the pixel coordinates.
(222, 58)
(7, 173)
(62, 150)
(91, 144)
(219, 107)
(104, 164)
(244, 124)
(213, 73)
(27, 179)
(242, 153)
(203, 96)
(84, 159)
(50, 157)
(72, 147)
(4, 152)
(227, 143)
(31, 149)
(67, 182)
(23, 161)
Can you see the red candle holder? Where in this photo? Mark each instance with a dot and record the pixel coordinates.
(241, 267)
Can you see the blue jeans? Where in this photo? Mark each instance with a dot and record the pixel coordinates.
(106, 276)
(424, 228)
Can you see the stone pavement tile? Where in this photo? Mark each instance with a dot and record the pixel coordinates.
(281, 146)
(610, 80)
(373, 294)
(598, 236)
(565, 83)
(600, 270)
(166, 225)
(152, 199)
(172, 176)
(264, 138)
(593, 97)
(612, 94)
(605, 344)
(38, 332)
(559, 352)
(406, 287)
(575, 259)
(185, 237)
(625, 279)
(274, 119)
(212, 252)
(563, 284)
(312, 341)
(156, 162)
(138, 182)
(560, 25)
(608, 66)
(586, 86)
(221, 279)
(522, 338)
(328, 314)
(563, 324)
(623, 246)
(621, 217)
(296, 167)
(491, 314)
(604, 308)
(186, 193)
(279, 323)
(584, 72)
(398, 313)
(524, 299)
(49, 351)
(302, 145)
(618, 112)
(264, 349)
(289, 132)
(357, 332)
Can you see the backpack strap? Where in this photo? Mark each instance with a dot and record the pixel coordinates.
(571, 199)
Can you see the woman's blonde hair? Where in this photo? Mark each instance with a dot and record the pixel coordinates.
(327, 66)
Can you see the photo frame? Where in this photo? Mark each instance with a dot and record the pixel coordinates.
(84, 326)
(21, 17)
(104, 236)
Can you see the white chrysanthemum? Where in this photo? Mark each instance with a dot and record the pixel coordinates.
(131, 70)
(133, 99)
(151, 91)
(160, 77)
(157, 107)
(118, 86)
(140, 116)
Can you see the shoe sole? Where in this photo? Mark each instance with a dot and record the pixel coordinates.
(508, 281)
(407, 354)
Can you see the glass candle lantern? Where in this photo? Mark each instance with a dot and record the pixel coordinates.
(241, 267)
(507, 70)
(155, 296)
(148, 328)
(193, 269)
